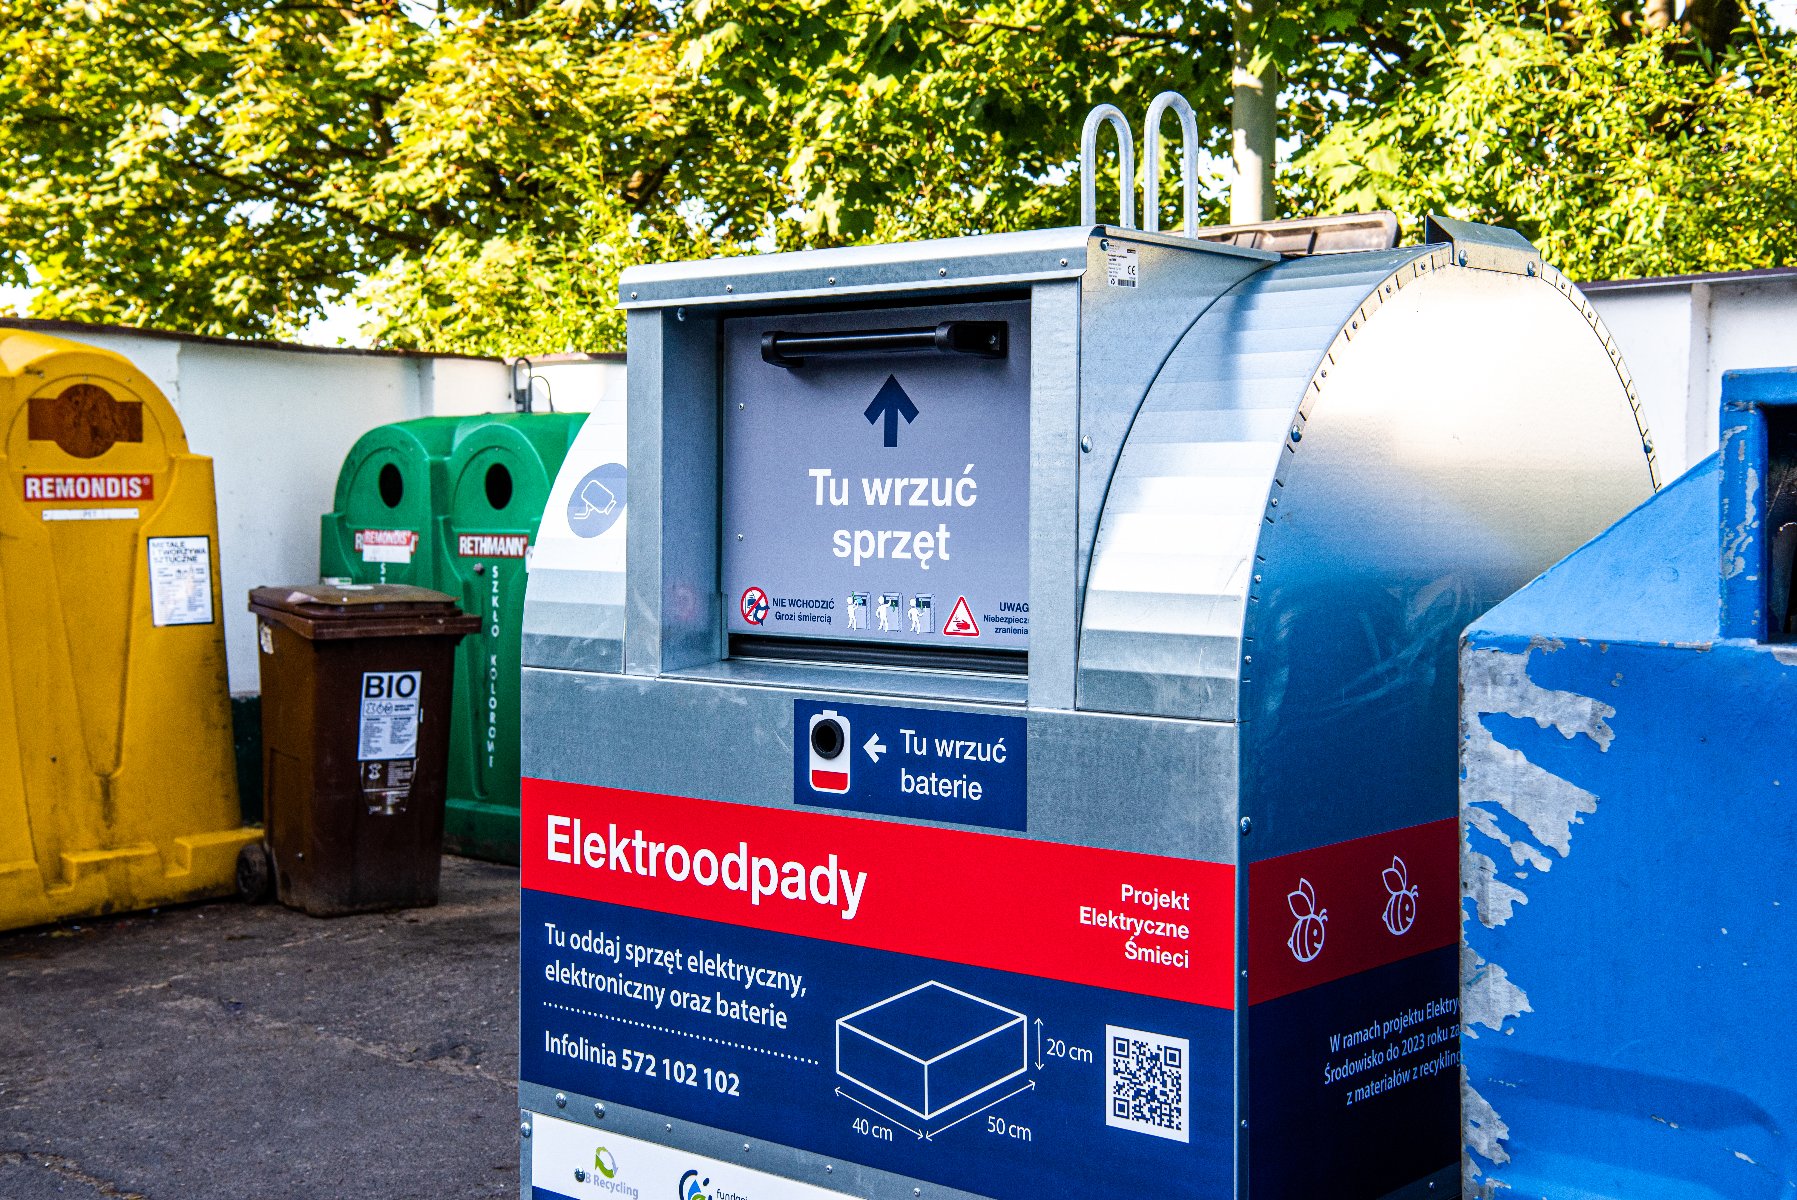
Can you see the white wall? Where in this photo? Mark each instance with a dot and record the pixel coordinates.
(277, 422)
(1678, 336)
(577, 382)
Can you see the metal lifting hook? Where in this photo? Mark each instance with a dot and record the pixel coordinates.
(1151, 150)
(1126, 155)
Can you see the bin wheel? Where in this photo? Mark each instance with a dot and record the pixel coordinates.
(255, 875)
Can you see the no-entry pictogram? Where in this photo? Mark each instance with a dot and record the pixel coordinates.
(754, 605)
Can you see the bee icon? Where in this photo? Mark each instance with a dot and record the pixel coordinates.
(1306, 941)
(1400, 909)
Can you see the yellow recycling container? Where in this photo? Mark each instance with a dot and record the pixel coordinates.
(117, 787)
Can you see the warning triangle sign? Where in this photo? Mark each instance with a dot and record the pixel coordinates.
(960, 621)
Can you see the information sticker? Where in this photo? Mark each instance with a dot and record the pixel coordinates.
(1122, 268)
(389, 726)
(180, 580)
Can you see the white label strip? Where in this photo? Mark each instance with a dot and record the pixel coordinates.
(589, 1164)
(90, 514)
(386, 554)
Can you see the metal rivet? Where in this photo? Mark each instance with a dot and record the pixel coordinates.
(524, 1129)
(832, 280)
(729, 287)
(667, 1128)
(1530, 272)
(739, 537)
(942, 270)
(740, 406)
(580, 1176)
(1085, 444)
(1244, 1124)
(1257, 579)
(1063, 262)
(561, 1100)
(480, 568)
(1275, 502)
(633, 295)
(1247, 658)
(745, 1145)
(680, 314)
(1297, 434)
(1247, 826)
(1104, 243)
(1463, 260)
(599, 1111)
(828, 1168)
(1244, 973)
(917, 1191)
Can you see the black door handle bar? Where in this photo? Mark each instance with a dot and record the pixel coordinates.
(983, 339)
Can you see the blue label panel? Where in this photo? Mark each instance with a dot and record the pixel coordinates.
(1364, 1075)
(921, 763)
(997, 1083)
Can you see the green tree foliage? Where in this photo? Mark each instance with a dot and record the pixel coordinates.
(478, 171)
(930, 118)
(1619, 148)
(231, 168)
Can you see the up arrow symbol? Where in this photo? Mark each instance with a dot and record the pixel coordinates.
(891, 403)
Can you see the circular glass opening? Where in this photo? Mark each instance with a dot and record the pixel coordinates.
(499, 485)
(392, 485)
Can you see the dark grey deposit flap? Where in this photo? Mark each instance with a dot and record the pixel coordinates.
(874, 494)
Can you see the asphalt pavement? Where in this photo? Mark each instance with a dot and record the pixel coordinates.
(238, 1053)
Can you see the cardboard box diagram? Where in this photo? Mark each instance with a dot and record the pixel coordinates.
(931, 1048)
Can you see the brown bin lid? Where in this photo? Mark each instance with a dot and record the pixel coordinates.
(323, 611)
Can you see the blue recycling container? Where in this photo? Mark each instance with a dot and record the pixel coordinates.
(1629, 803)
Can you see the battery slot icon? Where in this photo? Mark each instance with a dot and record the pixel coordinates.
(830, 760)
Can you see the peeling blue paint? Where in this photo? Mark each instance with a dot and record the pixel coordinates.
(1629, 804)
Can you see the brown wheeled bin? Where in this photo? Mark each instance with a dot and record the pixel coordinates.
(356, 689)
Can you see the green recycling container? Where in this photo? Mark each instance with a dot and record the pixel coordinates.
(385, 526)
(497, 484)
(484, 482)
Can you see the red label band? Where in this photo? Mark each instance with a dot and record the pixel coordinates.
(48, 488)
(1105, 918)
(398, 539)
(1323, 914)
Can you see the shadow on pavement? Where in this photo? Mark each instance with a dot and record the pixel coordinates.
(219, 1050)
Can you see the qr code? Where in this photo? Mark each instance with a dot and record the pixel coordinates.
(1147, 1082)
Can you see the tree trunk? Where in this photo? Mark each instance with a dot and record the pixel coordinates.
(1713, 22)
(1255, 119)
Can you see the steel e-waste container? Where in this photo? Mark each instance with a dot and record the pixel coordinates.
(117, 786)
(1627, 798)
(355, 699)
(1007, 745)
(470, 492)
